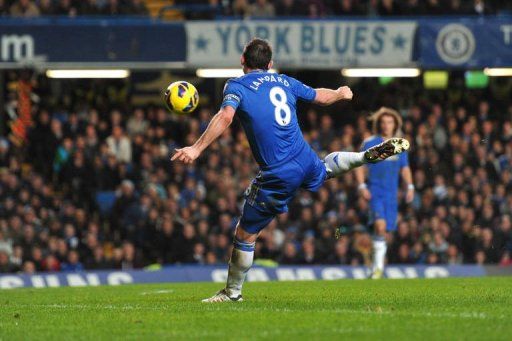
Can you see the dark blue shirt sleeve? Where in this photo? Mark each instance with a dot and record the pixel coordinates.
(232, 95)
(301, 90)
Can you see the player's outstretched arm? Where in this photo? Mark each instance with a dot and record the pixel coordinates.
(360, 173)
(329, 96)
(407, 177)
(215, 128)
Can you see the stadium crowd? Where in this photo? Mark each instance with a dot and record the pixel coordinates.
(71, 8)
(256, 8)
(91, 142)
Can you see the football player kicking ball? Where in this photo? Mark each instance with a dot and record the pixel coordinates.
(265, 104)
(382, 187)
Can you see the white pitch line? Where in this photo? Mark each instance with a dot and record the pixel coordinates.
(239, 307)
(157, 292)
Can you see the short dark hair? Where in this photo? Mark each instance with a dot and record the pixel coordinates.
(257, 54)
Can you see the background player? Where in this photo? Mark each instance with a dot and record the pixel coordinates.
(266, 105)
(383, 182)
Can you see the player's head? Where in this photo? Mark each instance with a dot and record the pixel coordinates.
(386, 122)
(257, 55)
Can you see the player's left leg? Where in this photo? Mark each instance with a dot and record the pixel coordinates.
(239, 264)
(267, 196)
(379, 248)
(338, 163)
(246, 233)
(386, 224)
(378, 222)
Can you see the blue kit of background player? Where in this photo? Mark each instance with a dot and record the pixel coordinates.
(381, 187)
(383, 183)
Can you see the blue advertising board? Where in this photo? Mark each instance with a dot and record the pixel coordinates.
(192, 273)
(440, 42)
(92, 41)
(465, 43)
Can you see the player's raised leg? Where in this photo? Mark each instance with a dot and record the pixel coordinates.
(338, 163)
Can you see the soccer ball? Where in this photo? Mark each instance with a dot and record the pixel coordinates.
(181, 97)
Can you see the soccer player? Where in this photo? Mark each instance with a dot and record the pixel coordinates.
(383, 182)
(265, 103)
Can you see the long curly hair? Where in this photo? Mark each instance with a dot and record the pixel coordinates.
(384, 111)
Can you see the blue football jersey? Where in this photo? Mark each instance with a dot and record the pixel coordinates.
(266, 104)
(384, 176)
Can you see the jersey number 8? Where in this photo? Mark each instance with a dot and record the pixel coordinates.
(279, 100)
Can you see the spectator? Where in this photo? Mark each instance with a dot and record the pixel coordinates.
(113, 7)
(261, 9)
(287, 8)
(455, 6)
(63, 154)
(4, 7)
(66, 8)
(29, 268)
(46, 7)
(309, 255)
(4, 153)
(137, 124)
(125, 202)
(289, 254)
(5, 265)
(99, 261)
(346, 7)
(433, 7)
(120, 145)
(403, 256)
(341, 254)
(492, 254)
(5, 244)
(184, 245)
(73, 263)
(480, 8)
(389, 7)
(89, 7)
(24, 8)
(130, 259)
(199, 254)
(315, 8)
(414, 7)
(138, 7)
(241, 8)
(453, 256)
(51, 264)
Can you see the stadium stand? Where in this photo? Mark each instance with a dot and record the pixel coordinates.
(93, 188)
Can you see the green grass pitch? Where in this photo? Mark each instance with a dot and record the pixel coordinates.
(448, 309)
